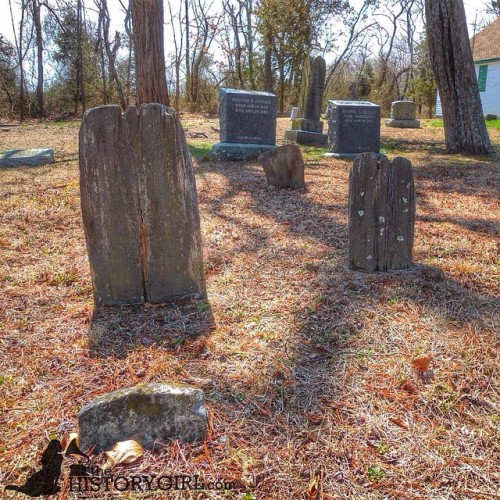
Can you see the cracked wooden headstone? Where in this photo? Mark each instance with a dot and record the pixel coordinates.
(381, 213)
(139, 206)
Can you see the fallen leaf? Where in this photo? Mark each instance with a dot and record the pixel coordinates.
(149, 305)
(314, 419)
(123, 452)
(399, 422)
(409, 387)
(312, 490)
(422, 364)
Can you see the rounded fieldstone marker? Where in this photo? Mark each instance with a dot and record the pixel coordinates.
(284, 166)
(146, 413)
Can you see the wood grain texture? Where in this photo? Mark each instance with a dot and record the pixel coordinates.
(139, 206)
(381, 213)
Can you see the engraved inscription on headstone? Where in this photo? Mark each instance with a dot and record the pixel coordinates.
(353, 128)
(247, 117)
(247, 124)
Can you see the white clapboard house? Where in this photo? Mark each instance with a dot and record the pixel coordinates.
(486, 53)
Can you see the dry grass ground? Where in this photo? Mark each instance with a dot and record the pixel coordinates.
(307, 366)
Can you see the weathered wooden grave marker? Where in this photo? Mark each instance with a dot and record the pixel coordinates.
(139, 206)
(381, 213)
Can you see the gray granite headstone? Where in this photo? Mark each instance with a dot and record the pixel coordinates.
(26, 157)
(353, 128)
(307, 128)
(403, 115)
(147, 413)
(247, 124)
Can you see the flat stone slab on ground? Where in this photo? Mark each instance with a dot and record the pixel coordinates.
(146, 413)
(26, 157)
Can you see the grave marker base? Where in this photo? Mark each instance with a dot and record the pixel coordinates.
(391, 122)
(304, 137)
(230, 151)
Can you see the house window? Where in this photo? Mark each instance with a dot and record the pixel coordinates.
(481, 78)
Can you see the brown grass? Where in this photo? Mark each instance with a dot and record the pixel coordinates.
(306, 365)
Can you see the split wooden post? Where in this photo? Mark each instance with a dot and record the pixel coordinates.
(139, 206)
(381, 213)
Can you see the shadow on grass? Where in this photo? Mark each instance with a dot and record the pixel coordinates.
(346, 301)
(351, 304)
(115, 331)
(481, 178)
(201, 151)
(483, 226)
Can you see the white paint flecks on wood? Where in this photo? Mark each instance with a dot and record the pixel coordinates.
(381, 213)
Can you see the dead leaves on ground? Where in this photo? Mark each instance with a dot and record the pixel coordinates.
(422, 367)
(422, 364)
(124, 452)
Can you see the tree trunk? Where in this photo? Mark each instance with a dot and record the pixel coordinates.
(81, 78)
(249, 42)
(111, 53)
(20, 61)
(101, 53)
(451, 59)
(268, 70)
(188, 59)
(147, 22)
(39, 48)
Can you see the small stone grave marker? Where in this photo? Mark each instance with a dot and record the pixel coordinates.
(381, 213)
(284, 166)
(247, 124)
(353, 128)
(26, 157)
(147, 413)
(403, 115)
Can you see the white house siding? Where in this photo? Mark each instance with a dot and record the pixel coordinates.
(490, 98)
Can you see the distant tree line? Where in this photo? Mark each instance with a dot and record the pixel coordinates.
(65, 57)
